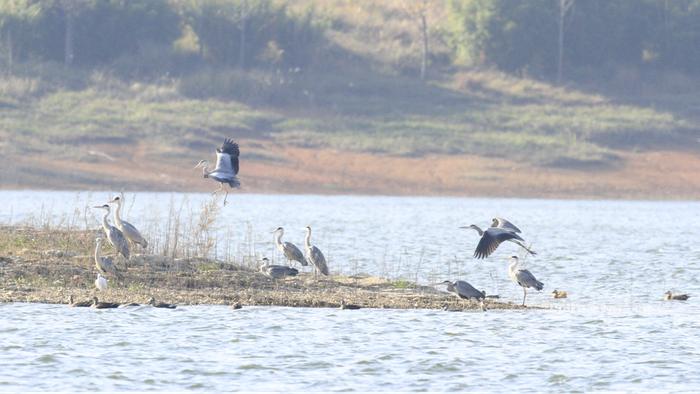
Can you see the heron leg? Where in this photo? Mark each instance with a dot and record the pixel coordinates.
(524, 294)
(226, 195)
(221, 187)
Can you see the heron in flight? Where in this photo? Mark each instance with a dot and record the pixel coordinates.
(314, 254)
(523, 277)
(114, 236)
(494, 236)
(290, 251)
(276, 271)
(130, 232)
(101, 282)
(226, 166)
(104, 265)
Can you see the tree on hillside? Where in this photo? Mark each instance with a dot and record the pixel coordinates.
(419, 9)
(71, 9)
(564, 9)
(15, 14)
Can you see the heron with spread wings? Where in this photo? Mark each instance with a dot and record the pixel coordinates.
(500, 231)
(226, 169)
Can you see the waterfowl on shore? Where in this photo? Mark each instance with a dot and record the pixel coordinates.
(290, 251)
(104, 264)
(314, 254)
(343, 305)
(492, 237)
(128, 230)
(101, 283)
(237, 305)
(152, 302)
(103, 305)
(464, 290)
(276, 271)
(226, 166)
(523, 277)
(113, 234)
(559, 294)
(78, 303)
(668, 296)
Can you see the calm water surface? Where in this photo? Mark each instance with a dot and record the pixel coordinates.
(615, 259)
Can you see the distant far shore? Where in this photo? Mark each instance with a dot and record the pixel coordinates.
(664, 175)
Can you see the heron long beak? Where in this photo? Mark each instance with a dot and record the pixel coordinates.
(464, 227)
(98, 206)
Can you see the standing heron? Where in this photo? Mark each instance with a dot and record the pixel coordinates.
(314, 254)
(101, 282)
(494, 236)
(276, 271)
(130, 232)
(290, 251)
(114, 236)
(104, 265)
(523, 277)
(226, 166)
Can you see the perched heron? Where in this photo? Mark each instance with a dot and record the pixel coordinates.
(130, 232)
(493, 236)
(464, 290)
(559, 294)
(152, 302)
(103, 305)
(523, 277)
(277, 271)
(668, 296)
(74, 303)
(314, 254)
(290, 251)
(226, 166)
(114, 236)
(104, 265)
(101, 283)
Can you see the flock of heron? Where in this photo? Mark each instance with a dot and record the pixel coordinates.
(123, 236)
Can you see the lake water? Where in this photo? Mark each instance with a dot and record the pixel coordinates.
(615, 258)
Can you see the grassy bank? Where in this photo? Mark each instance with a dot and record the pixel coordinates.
(49, 266)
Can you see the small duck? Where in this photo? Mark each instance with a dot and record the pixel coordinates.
(152, 302)
(78, 303)
(103, 305)
(559, 294)
(343, 305)
(668, 296)
(237, 305)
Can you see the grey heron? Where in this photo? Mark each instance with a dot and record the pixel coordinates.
(74, 303)
(464, 290)
(101, 283)
(152, 302)
(114, 236)
(226, 166)
(290, 251)
(130, 232)
(277, 271)
(104, 265)
(668, 296)
(523, 277)
(103, 305)
(314, 254)
(494, 236)
(559, 294)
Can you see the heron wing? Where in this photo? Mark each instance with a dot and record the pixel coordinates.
(291, 252)
(525, 278)
(231, 149)
(319, 260)
(465, 290)
(132, 234)
(503, 223)
(491, 239)
(117, 239)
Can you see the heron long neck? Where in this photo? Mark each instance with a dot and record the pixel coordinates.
(105, 225)
(205, 170)
(513, 266)
(117, 213)
(278, 238)
(307, 239)
(97, 253)
(479, 230)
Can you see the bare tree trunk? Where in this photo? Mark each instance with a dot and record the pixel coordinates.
(69, 53)
(424, 57)
(10, 51)
(564, 6)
